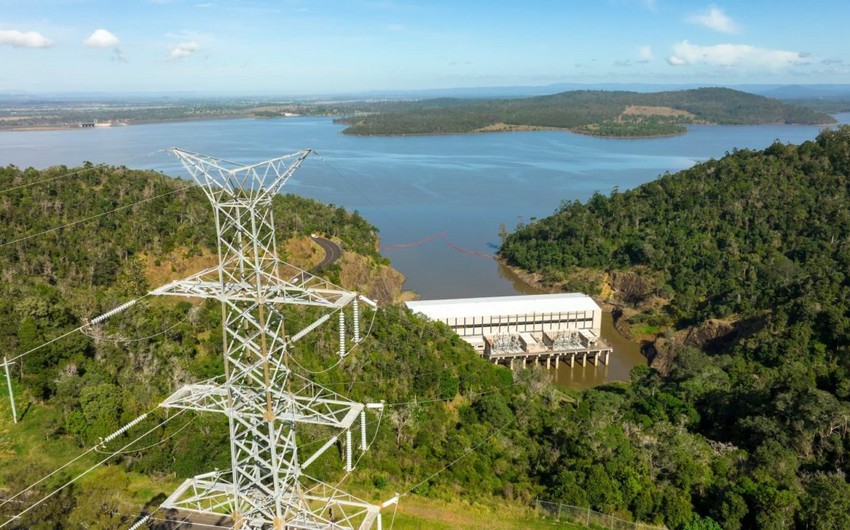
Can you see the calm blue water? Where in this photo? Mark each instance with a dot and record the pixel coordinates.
(414, 187)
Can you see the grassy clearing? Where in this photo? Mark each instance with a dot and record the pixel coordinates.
(28, 439)
(418, 513)
(645, 329)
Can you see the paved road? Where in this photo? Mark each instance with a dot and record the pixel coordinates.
(332, 253)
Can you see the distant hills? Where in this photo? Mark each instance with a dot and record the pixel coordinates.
(595, 112)
(784, 92)
(606, 110)
(779, 91)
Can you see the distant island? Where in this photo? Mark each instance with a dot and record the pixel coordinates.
(594, 112)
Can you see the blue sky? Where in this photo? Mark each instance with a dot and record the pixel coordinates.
(295, 47)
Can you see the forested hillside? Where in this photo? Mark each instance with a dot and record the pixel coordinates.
(444, 404)
(744, 261)
(596, 112)
(742, 439)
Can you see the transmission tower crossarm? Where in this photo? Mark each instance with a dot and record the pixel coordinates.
(205, 284)
(264, 178)
(336, 413)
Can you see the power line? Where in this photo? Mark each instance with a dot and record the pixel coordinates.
(122, 340)
(172, 435)
(51, 179)
(185, 425)
(341, 357)
(87, 471)
(95, 320)
(439, 235)
(462, 456)
(94, 448)
(77, 172)
(351, 185)
(96, 216)
(437, 400)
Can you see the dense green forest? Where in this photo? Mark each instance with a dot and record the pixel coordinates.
(744, 262)
(602, 113)
(828, 104)
(750, 436)
(442, 400)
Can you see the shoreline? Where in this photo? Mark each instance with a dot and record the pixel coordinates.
(129, 123)
(508, 129)
(524, 128)
(125, 123)
(532, 281)
(533, 128)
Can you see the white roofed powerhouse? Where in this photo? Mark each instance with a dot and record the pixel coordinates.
(478, 320)
(504, 305)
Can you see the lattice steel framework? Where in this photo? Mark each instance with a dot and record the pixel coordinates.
(263, 399)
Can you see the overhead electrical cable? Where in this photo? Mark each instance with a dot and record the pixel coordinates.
(341, 357)
(94, 320)
(76, 172)
(122, 340)
(96, 216)
(51, 179)
(464, 455)
(90, 469)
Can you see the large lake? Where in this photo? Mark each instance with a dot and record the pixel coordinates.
(461, 187)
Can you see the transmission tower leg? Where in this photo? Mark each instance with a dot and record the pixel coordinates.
(363, 445)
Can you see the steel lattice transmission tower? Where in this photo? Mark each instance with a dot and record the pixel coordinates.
(262, 398)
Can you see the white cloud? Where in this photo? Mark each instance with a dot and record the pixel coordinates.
(714, 18)
(24, 39)
(102, 38)
(183, 50)
(731, 55)
(645, 54)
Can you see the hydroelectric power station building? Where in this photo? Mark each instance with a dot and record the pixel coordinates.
(550, 328)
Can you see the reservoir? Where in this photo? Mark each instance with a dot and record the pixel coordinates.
(451, 193)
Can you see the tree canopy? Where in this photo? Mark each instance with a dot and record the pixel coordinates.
(744, 260)
(595, 112)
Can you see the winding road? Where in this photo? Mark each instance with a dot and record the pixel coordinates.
(332, 252)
